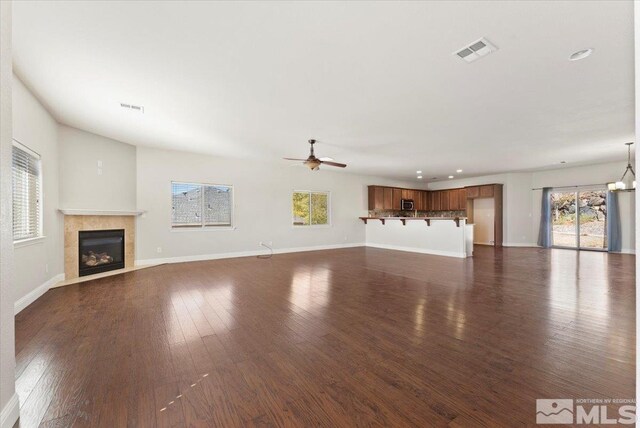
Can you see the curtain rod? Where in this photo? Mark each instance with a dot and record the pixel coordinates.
(570, 187)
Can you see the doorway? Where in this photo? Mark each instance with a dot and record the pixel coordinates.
(579, 219)
(483, 220)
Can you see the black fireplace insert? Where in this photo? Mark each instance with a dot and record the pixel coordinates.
(100, 251)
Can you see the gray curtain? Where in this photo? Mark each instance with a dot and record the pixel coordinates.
(614, 234)
(544, 236)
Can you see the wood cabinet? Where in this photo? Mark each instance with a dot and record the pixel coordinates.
(376, 198)
(486, 191)
(389, 198)
(387, 193)
(462, 199)
(473, 192)
(434, 200)
(397, 198)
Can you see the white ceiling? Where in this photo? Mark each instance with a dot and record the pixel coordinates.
(375, 82)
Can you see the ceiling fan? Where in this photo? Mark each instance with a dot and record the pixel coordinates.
(313, 163)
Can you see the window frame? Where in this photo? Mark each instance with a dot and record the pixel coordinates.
(40, 197)
(203, 227)
(305, 226)
(576, 190)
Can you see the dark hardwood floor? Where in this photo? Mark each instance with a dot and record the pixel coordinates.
(352, 337)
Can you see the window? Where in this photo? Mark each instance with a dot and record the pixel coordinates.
(27, 210)
(579, 218)
(201, 205)
(310, 208)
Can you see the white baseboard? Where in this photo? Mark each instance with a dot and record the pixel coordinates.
(10, 413)
(33, 295)
(252, 253)
(460, 255)
(519, 244)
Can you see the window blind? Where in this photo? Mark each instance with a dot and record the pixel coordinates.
(26, 194)
(201, 205)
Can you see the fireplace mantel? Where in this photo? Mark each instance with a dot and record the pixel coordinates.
(67, 211)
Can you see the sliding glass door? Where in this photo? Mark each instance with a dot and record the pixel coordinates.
(579, 219)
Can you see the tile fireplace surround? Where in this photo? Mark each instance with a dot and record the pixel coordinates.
(75, 223)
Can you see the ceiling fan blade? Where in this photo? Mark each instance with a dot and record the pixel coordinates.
(295, 159)
(339, 165)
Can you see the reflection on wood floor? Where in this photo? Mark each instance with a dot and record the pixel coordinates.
(347, 337)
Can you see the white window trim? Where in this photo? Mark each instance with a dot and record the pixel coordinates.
(312, 226)
(203, 228)
(29, 241)
(41, 236)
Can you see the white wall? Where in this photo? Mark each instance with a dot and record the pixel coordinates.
(8, 398)
(262, 199)
(85, 185)
(522, 204)
(34, 127)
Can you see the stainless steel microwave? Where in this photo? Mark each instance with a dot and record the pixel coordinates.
(406, 204)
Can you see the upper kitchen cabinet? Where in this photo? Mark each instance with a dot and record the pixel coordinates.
(376, 198)
(487, 191)
(397, 198)
(473, 192)
(387, 198)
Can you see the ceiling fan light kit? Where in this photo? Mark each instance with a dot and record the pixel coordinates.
(313, 163)
(627, 182)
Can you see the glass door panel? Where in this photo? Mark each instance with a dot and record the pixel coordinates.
(593, 219)
(564, 231)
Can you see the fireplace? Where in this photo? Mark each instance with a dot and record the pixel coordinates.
(100, 251)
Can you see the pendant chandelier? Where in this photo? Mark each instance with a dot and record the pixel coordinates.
(627, 182)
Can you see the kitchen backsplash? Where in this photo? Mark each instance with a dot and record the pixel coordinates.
(394, 213)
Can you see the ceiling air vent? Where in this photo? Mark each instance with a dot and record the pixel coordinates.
(132, 107)
(476, 50)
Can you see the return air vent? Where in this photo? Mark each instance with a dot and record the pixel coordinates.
(139, 109)
(476, 50)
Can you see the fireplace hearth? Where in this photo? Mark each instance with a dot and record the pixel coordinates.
(100, 251)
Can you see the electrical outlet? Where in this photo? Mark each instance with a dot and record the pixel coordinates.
(271, 243)
(99, 164)
(260, 243)
(159, 250)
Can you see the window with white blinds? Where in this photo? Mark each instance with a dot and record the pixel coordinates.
(195, 205)
(26, 180)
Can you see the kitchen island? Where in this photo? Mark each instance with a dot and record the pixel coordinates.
(443, 236)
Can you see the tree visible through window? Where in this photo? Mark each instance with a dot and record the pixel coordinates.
(310, 208)
(201, 205)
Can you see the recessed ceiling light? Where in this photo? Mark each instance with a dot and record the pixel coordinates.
(581, 54)
(451, 176)
(458, 171)
(419, 176)
(418, 172)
